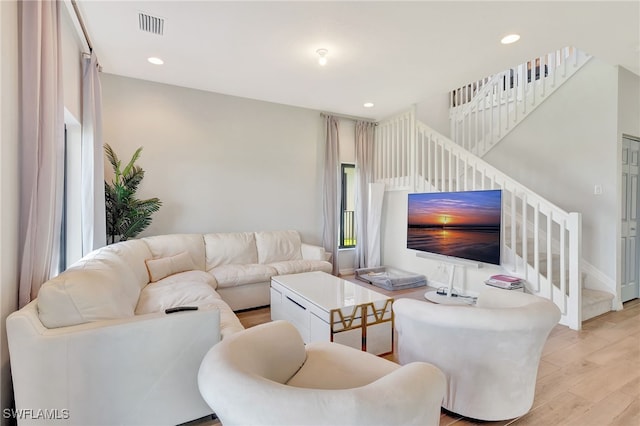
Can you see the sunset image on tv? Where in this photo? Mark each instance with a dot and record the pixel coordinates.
(461, 224)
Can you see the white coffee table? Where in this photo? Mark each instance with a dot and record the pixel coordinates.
(327, 308)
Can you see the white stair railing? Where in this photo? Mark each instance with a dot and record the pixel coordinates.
(540, 242)
(483, 112)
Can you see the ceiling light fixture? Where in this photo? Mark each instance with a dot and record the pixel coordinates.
(511, 38)
(368, 105)
(322, 56)
(155, 61)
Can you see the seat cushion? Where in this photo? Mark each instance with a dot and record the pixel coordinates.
(276, 246)
(193, 288)
(298, 266)
(230, 248)
(192, 291)
(234, 275)
(335, 366)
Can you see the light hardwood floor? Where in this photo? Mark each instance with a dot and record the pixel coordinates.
(586, 378)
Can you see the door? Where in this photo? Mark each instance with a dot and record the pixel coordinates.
(629, 213)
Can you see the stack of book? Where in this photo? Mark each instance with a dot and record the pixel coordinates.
(505, 281)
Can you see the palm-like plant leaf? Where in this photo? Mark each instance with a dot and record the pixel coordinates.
(126, 215)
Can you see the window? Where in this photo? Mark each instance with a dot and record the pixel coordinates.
(347, 207)
(72, 231)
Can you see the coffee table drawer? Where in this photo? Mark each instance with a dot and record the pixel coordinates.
(290, 307)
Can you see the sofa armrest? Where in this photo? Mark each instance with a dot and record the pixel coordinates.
(311, 252)
(136, 370)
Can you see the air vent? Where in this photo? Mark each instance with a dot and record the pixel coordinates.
(151, 24)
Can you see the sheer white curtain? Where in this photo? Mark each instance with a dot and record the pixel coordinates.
(331, 199)
(41, 144)
(364, 176)
(93, 208)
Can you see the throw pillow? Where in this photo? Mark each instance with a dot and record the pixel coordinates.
(165, 266)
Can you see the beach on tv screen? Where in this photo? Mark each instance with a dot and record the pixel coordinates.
(459, 224)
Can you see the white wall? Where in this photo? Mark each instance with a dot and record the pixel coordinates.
(565, 147)
(218, 163)
(8, 186)
(434, 112)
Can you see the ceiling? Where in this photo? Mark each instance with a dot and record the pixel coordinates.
(393, 54)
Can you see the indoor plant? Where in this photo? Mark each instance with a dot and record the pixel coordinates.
(126, 215)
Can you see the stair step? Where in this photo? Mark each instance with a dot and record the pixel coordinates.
(594, 303)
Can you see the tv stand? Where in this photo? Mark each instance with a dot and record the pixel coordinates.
(449, 298)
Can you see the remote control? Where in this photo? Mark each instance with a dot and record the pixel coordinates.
(180, 309)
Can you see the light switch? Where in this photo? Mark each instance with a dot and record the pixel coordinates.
(597, 190)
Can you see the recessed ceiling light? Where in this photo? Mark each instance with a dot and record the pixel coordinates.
(155, 61)
(322, 56)
(368, 105)
(511, 38)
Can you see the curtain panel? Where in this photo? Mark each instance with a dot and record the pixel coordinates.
(331, 196)
(41, 144)
(364, 136)
(94, 233)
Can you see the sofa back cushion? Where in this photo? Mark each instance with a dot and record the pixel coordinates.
(278, 246)
(234, 248)
(90, 290)
(162, 246)
(132, 252)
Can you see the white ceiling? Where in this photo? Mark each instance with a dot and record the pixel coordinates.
(394, 54)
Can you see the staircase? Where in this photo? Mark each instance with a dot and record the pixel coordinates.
(541, 242)
(483, 112)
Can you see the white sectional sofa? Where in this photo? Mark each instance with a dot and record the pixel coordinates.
(96, 346)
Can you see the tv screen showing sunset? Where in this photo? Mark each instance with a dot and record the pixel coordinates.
(461, 224)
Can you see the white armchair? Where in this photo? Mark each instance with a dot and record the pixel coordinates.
(265, 376)
(489, 353)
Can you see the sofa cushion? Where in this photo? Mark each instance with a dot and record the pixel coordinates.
(91, 290)
(165, 266)
(298, 266)
(276, 246)
(230, 248)
(170, 245)
(131, 252)
(191, 288)
(331, 366)
(234, 275)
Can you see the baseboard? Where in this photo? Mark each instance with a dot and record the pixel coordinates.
(343, 272)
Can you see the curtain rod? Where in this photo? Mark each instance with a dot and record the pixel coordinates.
(82, 26)
(349, 117)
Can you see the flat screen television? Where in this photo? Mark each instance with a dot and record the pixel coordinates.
(462, 224)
